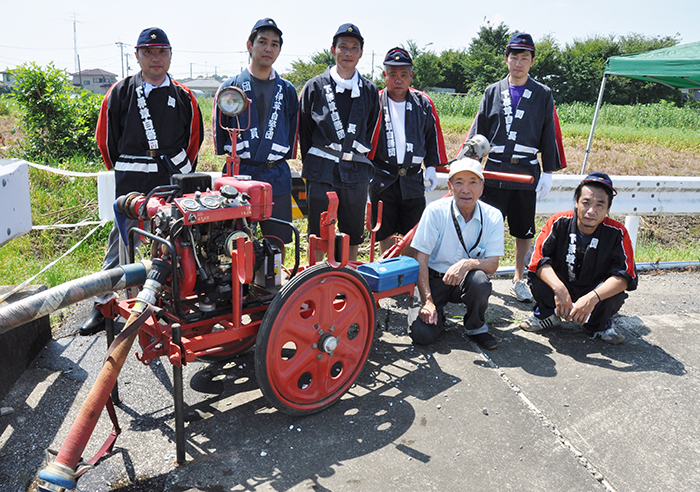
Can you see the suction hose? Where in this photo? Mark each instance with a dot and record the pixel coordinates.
(46, 302)
(61, 474)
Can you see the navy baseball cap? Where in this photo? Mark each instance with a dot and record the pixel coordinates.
(266, 22)
(153, 36)
(601, 178)
(350, 30)
(398, 57)
(521, 41)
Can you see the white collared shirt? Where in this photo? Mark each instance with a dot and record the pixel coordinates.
(147, 88)
(436, 235)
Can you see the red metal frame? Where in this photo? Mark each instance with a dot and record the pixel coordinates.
(199, 338)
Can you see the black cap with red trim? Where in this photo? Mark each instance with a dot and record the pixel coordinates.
(398, 57)
(600, 178)
(521, 41)
(152, 37)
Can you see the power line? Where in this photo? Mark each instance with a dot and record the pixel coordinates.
(54, 49)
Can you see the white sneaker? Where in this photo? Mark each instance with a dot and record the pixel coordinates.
(536, 324)
(521, 291)
(609, 336)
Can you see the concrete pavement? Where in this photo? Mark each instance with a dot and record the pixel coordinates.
(550, 411)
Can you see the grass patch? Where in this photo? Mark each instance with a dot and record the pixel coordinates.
(651, 251)
(678, 139)
(57, 199)
(455, 124)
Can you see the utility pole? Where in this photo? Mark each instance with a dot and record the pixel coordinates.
(215, 67)
(191, 63)
(121, 57)
(75, 46)
(75, 43)
(80, 74)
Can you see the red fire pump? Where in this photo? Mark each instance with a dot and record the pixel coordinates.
(215, 290)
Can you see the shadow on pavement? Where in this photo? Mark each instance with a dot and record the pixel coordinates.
(571, 340)
(57, 376)
(234, 434)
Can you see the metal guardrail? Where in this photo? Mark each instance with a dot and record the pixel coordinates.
(636, 196)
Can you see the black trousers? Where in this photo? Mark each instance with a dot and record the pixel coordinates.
(473, 291)
(604, 310)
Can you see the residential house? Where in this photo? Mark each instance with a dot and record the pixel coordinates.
(7, 79)
(96, 80)
(207, 86)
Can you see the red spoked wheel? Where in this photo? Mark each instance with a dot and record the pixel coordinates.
(314, 339)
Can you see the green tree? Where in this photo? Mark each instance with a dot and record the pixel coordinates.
(426, 66)
(491, 38)
(484, 64)
(454, 69)
(547, 68)
(59, 122)
(583, 63)
(302, 70)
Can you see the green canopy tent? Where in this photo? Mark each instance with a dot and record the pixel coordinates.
(677, 67)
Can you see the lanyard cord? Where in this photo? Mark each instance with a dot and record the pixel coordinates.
(459, 229)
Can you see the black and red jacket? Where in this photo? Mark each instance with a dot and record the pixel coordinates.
(610, 256)
(122, 140)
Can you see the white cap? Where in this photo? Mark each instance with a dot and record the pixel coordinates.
(466, 164)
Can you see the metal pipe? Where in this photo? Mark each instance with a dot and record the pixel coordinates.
(46, 302)
(595, 119)
(667, 265)
(178, 399)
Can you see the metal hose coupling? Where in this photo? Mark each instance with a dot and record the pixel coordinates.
(56, 478)
(155, 282)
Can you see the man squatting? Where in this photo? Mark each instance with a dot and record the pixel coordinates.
(458, 243)
(582, 264)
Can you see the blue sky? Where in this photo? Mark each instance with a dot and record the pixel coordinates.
(211, 38)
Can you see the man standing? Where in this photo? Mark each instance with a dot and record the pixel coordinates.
(582, 264)
(408, 134)
(149, 128)
(339, 111)
(269, 139)
(518, 118)
(459, 241)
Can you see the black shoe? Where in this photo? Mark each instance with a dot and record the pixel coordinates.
(485, 340)
(94, 324)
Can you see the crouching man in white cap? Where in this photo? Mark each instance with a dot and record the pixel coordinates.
(459, 241)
